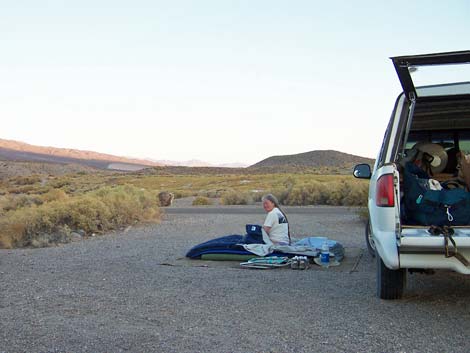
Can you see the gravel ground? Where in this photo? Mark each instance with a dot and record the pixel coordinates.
(114, 294)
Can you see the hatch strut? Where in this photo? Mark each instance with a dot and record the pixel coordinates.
(412, 99)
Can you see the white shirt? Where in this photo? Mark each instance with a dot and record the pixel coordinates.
(279, 228)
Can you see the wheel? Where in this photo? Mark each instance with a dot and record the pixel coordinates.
(390, 283)
(369, 239)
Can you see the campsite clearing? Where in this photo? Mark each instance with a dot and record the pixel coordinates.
(135, 292)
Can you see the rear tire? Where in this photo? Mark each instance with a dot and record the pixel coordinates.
(369, 240)
(390, 283)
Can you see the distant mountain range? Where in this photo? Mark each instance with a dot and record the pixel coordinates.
(19, 151)
(22, 152)
(327, 161)
(198, 163)
(314, 159)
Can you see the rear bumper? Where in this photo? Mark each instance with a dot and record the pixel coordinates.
(417, 249)
(433, 261)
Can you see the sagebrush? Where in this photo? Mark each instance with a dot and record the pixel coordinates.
(98, 211)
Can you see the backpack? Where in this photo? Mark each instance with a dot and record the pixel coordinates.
(424, 206)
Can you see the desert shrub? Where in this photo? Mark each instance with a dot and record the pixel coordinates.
(202, 201)
(129, 204)
(334, 193)
(24, 189)
(95, 212)
(14, 202)
(54, 195)
(256, 196)
(356, 195)
(180, 194)
(60, 182)
(212, 194)
(25, 180)
(236, 198)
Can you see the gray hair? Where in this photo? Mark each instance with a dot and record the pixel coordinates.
(272, 198)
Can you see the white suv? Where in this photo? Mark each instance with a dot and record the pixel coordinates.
(433, 109)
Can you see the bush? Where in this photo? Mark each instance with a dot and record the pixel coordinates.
(342, 193)
(236, 198)
(54, 195)
(105, 209)
(25, 180)
(25, 189)
(202, 201)
(14, 202)
(181, 194)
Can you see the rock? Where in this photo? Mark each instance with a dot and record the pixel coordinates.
(76, 236)
(165, 198)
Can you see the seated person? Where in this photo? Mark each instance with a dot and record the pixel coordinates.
(276, 226)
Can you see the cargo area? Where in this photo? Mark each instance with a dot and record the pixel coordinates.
(443, 128)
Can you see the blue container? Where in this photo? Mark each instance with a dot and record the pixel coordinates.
(325, 254)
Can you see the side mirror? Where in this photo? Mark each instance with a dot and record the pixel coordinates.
(362, 171)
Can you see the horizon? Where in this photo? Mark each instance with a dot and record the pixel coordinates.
(216, 82)
(174, 162)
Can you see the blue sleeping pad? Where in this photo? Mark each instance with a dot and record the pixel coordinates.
(225, 245)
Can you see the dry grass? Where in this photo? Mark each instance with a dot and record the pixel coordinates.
(202, 201)
(236, 198)
(99, 211)
(334, 193)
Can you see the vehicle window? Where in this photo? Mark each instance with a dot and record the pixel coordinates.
(439, 74)
(438, 80)
(445, 139)
(464, 141)
(383, 149)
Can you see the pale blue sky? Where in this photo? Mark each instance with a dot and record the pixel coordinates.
(221, 81)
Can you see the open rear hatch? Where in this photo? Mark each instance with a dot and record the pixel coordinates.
(434, 75)
(438, 89)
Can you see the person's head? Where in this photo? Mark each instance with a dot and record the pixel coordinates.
(269, 202)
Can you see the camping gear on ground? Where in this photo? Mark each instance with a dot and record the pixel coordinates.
(425, 206)
(268, 249)
(266, 263)
(254, 230)
(231, 247)
(336, 249)
(325, 254)
(295, 263)
(299, 263)
(229, 244)
(226, 257)
(332, 263)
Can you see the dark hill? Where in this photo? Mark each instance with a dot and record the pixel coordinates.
(328, 159)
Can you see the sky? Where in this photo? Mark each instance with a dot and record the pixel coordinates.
(216, 80)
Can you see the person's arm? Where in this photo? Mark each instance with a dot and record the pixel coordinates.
(268, 223)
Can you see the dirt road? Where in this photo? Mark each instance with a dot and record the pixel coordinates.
(134, 292)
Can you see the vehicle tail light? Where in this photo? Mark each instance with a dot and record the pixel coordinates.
(385, 191)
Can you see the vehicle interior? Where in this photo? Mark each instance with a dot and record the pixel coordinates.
(442, 128)
(445, 124)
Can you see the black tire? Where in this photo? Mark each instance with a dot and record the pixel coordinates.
(369, 240)
(390, 283)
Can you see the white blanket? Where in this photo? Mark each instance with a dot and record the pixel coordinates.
(266, 249)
